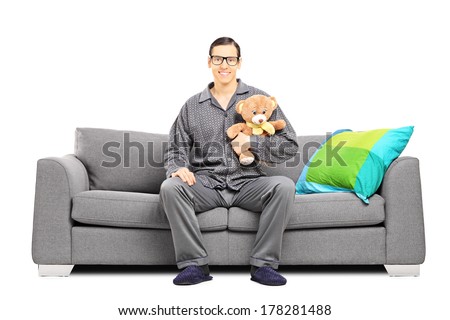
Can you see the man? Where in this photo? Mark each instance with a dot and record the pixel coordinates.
(204, 172)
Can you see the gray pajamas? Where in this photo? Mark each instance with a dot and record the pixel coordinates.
(198, 141)
(272, 196)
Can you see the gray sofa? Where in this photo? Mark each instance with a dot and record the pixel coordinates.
(100, 205)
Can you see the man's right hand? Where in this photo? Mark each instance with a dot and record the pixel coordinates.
(185, 175)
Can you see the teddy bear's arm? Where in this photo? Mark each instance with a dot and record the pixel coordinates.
(234, 130)
(278, 124)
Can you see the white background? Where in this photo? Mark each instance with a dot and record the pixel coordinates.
(132, 64)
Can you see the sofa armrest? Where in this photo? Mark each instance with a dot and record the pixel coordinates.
(58, 179)
(405, 233)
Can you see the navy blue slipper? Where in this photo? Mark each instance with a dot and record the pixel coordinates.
(268, 276)
(191, 275)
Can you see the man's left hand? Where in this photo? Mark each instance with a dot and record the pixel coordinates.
(241, 143)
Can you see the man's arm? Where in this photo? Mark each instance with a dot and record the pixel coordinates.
(180, 144)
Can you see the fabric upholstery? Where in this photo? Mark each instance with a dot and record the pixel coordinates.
(318, 211)
(405, 238)
(131, 246)
(108, 245)
(120, 160)
(57, 181)
(291, 168)
(134, 210)
(357, 245)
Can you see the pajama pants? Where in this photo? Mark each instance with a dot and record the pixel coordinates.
(272, 196)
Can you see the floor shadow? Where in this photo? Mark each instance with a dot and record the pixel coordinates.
(309, 269)
(343, 269)
(171, 269)
(123, 269)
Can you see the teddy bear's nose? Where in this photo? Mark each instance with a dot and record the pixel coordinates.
(261, 120)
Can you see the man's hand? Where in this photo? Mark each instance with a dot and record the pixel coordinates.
(241, 143)
(185, 175)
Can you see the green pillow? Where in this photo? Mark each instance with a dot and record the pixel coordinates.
(353, 161)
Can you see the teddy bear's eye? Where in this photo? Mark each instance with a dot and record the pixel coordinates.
(264, 112)
(254, 112)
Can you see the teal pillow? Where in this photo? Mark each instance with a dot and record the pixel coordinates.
(353, 161)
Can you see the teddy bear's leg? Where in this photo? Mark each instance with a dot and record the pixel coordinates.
(246, 158)
(233, 131)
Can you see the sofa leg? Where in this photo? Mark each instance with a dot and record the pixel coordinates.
(403, 270)
(54, 270)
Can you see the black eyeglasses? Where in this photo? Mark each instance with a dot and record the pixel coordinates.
(218, 60)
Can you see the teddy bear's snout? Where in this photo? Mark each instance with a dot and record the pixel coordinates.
(259, 119)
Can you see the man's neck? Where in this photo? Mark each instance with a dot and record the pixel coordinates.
(227, 90)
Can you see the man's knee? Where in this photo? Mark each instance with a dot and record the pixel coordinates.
(283, 184)
(171, 186)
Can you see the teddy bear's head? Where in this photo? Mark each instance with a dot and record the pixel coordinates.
(256, 109)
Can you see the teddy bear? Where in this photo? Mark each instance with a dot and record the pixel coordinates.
(256, 111)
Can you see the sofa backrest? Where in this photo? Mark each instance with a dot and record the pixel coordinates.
(123, 160)
(292, 168)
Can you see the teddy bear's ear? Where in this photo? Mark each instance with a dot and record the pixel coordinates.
(239, 106)
(274, 102)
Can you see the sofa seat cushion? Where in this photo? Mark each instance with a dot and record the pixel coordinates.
(324, 210)
(134, 210)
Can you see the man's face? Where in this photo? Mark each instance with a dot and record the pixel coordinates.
(224, 73)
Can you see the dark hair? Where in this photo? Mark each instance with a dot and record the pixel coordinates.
(223, 41)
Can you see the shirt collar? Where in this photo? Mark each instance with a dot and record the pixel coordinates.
(242, 88)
